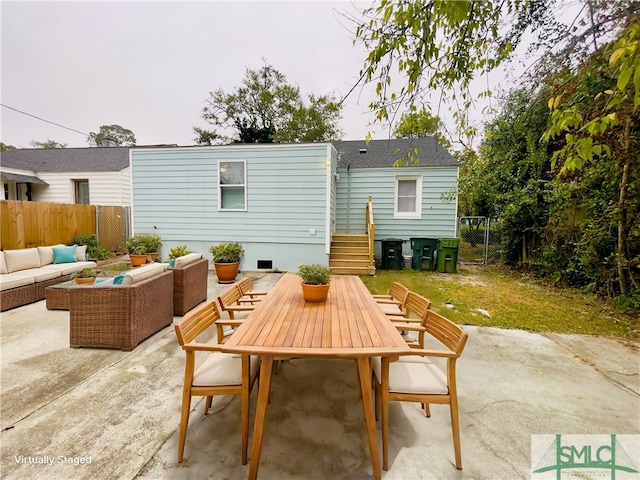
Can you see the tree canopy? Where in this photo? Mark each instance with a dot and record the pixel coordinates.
(264, 108)
(48, 144)
(111, 135)
(420, 124)
(428, 52)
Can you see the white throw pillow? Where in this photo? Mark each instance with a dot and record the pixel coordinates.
(3, 266)
(81, 253)
(46, 254)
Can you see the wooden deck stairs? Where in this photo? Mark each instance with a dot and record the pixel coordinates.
(349, 255)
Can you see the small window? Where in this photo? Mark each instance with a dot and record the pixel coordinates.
(408, 198)
(81, 188)
(232, 192)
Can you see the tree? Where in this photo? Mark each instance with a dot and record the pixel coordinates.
(421, 124)
(439, 47)
(595, 119)
(266, 109)
(112, 135)
(48, 144)
(4, 147)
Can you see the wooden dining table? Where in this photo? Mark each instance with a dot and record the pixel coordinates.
(349, 324)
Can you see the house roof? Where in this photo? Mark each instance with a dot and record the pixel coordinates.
(384, 153)
(91, 159)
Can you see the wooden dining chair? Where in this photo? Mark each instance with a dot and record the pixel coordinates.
(393, 303)
(218, 374)
(229, 303)
(415, 378)
(415, 319)
(249, 295)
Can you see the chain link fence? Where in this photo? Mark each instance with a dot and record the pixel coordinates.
(479, 241)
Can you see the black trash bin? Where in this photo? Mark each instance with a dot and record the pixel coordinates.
(424, 253)
(392, 254)
(448, 255)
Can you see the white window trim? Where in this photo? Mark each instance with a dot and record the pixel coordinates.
(220, 209)
(413, 215)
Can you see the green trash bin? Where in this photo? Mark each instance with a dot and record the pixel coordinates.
(392, 254)
(448, 255)
(424, 253)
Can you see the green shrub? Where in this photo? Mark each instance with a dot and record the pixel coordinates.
(94, 249)
(179, 251)
(314, 274)
(226, 252)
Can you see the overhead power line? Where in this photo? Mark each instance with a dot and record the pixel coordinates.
(44, 120)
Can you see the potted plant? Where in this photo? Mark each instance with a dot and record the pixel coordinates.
(152, 242)
(86, 275)
(137, 250)
(179, 251)
(315, 281)
(226, 260)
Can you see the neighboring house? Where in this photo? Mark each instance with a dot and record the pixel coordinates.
(95, 175)
(285, 202)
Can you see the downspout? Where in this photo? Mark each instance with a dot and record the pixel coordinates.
(349, 198)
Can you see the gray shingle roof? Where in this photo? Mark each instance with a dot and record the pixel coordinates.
(91, 159)
(384, 153)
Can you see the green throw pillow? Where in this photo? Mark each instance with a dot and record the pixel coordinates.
(65, 254)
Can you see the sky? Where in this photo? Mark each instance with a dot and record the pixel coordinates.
(149, 66)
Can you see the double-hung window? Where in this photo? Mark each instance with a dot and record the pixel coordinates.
(232, 185)
(81, 191)
(408, 197)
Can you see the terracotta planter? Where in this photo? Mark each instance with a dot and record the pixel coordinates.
(137, 260)
(151, 257)
(227, 272)
(315, 293)
(85, 281)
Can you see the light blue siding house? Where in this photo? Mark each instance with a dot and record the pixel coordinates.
(276, 200)
(287, 203)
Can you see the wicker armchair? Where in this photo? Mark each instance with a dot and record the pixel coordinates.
(189, 285)
(120, 316)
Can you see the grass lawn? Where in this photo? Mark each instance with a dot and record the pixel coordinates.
(492, 297)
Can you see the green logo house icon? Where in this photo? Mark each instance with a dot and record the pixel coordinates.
(584, 456)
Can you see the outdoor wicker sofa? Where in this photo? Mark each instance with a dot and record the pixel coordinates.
(25, 273)
(122, 316)
(190, 274)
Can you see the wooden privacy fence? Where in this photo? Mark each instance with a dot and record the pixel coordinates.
(32, 224)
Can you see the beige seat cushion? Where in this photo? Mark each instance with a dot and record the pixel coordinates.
(3, 266)
(223, 369)
(15, 280)
(413, 376)
(142, 273)
(67, 268)
(188, 259)
(391, 309)
(21, 259)
(41, 274)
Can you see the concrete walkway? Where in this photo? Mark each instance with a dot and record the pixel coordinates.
(107, 414)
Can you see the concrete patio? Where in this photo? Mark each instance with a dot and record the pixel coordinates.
(105, 414)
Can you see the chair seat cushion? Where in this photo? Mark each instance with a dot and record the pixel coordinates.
(223, 369)
(391, 309)
(413, 374)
